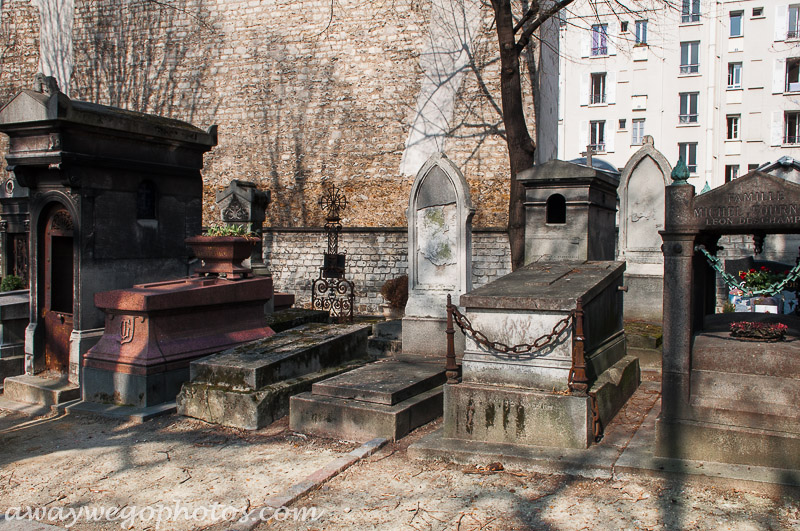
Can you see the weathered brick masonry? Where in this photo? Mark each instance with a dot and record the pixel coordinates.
(373, 256)
(303, 96)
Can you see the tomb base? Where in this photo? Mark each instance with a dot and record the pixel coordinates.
(385, 399)
(704, 441)
(249, 386)
(427, 336)
(531, 417)
(153, 331)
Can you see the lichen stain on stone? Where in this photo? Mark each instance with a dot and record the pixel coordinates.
(436, 240)
(520, 419)
(506, 413)
(489, 415)
(470, 416)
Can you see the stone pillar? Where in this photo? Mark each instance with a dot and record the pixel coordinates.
(678, 324)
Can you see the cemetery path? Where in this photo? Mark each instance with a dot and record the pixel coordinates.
(83, 461)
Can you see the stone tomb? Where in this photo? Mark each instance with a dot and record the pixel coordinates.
(569, 212)
(249, 386)
(154, 331)
(526, 399)
(113, 196)
(439, 252)
(641, 217)
(723, 399)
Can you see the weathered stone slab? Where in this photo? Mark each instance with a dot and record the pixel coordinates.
(249, 410)
(389, 382)
(292, 353)
(362, 421)
(521, 416)
(37, 390)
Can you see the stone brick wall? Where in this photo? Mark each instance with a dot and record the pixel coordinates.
(294, 257)
(303, 96)
(19, 55)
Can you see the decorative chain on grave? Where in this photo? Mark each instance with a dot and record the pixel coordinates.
(480, 338)
(730, 280)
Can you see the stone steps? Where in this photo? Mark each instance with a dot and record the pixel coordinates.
(40, 390)
(385, 340)
(644, 340)
(249, 386)
(388, 398)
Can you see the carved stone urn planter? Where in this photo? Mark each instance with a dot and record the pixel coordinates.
(222, 255)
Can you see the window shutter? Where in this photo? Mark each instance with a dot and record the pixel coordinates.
(583, 139)
(611, 87)
(779, 76)
(776, 133)
(610, 135)
(584, 95)
(586, 42)
(612, 38)
(781, 24)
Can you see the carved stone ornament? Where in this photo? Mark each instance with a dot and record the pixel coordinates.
(62, 221)
(235, 211)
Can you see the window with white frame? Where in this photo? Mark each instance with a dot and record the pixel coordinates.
(600, 39)
(690, 57)
(690, 11)
(641, 32)
(732, 126)
(734, 75)
(731, 172)
(598, 89)
(688, 107)
(793, 74)
(637, 131)
(791, 127)
(736, 23)
(623, 123)
(688, 152)
(793, 31)
(597, 134)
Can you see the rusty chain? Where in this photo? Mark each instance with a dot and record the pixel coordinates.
(480, 338)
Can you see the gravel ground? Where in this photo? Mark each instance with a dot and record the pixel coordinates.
(82, 461)
(73, 461)
(389, 491)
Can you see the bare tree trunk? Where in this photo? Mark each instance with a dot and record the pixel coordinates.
(520, 144)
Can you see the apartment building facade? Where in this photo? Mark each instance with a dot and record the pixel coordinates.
(715, 83)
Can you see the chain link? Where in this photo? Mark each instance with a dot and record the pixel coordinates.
(480, 338)
(730, 280)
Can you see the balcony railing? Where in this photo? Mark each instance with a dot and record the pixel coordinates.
(793, 34)
(597, 148)
(690, 69)
(599, 50)
(688, 118)
(792, 139)
(597, 98)
(793, 87)
(691, 17)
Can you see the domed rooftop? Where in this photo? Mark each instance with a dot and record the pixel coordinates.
(598, 163)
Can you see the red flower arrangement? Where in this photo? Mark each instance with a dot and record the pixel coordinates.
(761, 278)
(759, 331)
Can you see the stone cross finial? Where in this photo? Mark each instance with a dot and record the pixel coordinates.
(588, 154)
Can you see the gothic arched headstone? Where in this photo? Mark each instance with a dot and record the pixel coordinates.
(439, 252)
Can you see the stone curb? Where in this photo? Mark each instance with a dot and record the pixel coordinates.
(313, 481)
